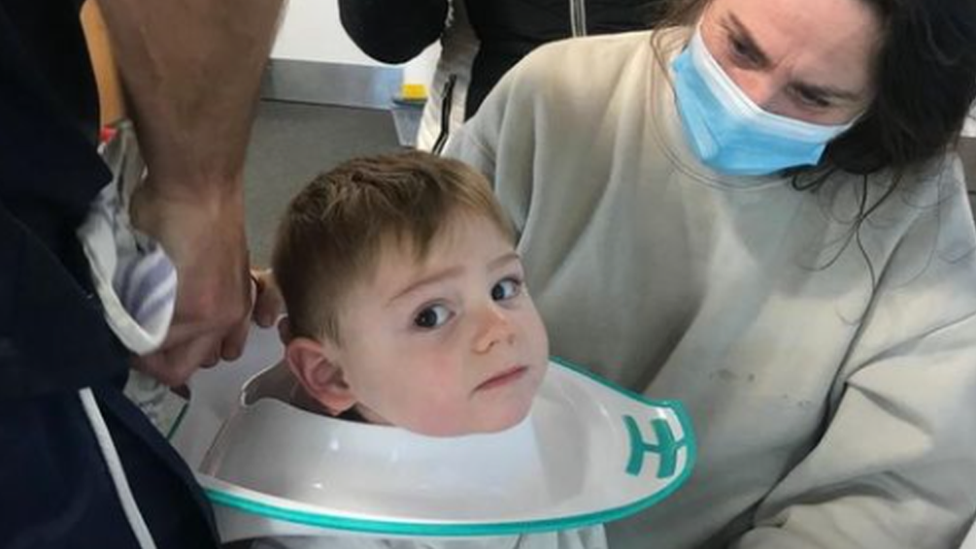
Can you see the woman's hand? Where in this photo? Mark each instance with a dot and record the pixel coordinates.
(268, 302)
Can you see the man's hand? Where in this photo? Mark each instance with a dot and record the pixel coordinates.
(204, 236)
(191, 71)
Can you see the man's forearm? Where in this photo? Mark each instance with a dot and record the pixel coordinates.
(191, 70)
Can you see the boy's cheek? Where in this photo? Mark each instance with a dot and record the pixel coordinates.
(537, 335)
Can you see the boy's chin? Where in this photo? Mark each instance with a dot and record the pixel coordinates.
(484, 427)
(510, 421)
(500, 424)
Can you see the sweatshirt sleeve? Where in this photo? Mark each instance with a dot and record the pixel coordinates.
(393, 31)
(896, 464)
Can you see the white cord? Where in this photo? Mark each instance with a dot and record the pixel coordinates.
(577, 17)
(115, 469)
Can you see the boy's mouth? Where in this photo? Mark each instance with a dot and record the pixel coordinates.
(504, 377)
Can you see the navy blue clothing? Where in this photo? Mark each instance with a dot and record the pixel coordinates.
(55, 490)
(51, 333)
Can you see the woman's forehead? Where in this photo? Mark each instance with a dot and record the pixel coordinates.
(830, 41)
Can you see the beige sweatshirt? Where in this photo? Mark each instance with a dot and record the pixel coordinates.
(828, 414)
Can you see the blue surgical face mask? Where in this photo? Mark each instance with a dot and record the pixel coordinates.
(731, 134)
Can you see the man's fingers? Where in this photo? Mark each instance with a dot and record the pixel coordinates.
(233, 345)
(212, 359)
(174, 365)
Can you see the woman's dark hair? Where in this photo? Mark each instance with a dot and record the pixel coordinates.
(925, 77)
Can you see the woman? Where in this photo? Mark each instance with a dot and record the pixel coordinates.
(754, 210)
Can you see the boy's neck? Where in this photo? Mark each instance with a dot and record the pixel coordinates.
(352, 414)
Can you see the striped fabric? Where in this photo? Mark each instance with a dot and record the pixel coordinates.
(146, 284)
(134, 278)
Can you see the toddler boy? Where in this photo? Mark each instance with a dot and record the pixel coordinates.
(408, 307)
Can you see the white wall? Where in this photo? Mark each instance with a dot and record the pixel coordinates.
(311, 32)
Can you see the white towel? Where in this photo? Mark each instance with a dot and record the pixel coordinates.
(133, 276)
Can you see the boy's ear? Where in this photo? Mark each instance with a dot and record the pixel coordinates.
(313, 364)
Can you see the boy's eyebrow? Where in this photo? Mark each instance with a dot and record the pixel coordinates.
(503, 260)
(453, 272)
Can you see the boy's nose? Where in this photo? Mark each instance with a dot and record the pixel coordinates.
(495, 328)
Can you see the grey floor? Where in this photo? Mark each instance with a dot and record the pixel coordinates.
(290, 144)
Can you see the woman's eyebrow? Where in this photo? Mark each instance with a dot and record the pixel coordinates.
(828, 92)
(743, 34)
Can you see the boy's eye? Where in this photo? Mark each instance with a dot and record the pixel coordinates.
(506, 289)
(432, 317)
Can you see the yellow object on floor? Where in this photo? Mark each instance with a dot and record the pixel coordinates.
(413, 92)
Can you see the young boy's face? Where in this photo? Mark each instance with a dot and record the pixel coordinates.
(447, 346)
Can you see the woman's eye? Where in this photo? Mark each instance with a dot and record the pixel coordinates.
(742, 50)
(506, 289)
(811, 99)
(432, 317)
(739, 47)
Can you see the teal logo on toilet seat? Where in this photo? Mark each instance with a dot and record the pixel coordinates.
(665, 446)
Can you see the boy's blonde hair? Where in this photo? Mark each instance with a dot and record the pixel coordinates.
(333, 232)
